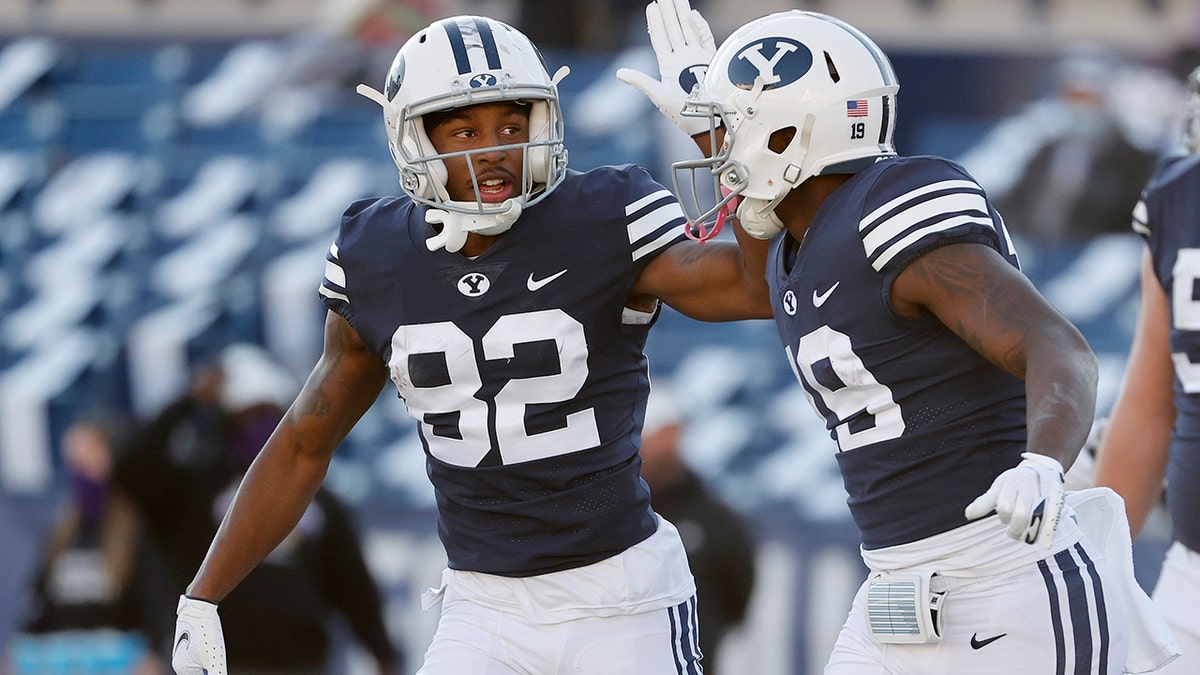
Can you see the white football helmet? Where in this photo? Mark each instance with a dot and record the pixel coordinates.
(1191, 119)
(807, 72)
(462, 61)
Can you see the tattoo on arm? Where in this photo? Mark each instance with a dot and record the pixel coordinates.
(962, 291)
(340, 338)
(696, 255)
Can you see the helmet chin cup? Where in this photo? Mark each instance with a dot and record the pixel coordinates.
(757, 217)
(457, 224)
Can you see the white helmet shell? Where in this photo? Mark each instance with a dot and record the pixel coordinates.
(802, 72)
(462, 61)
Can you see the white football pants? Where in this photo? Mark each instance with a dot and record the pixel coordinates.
(1064, 615)
(475, 640)
(1177, 595)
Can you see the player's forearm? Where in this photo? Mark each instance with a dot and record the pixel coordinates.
(1132, 457)
(1061, 400)
(732, 284)
(1132, 460)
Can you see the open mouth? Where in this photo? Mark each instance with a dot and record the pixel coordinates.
(494, 190)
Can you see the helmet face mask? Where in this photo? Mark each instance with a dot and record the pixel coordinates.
(464, 61)
(797, 94)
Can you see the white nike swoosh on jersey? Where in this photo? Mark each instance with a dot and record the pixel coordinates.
(820, 298)
(535, 284)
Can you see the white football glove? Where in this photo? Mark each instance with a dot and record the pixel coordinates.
(1028, 497)
(684, 46)
(199, 647)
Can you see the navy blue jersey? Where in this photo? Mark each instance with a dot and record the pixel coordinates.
(1169, 218)
(923, 423)
(522, 366)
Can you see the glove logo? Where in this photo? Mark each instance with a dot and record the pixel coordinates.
(691, 76)
(1035, 522)
(183, 637)
(777, 61)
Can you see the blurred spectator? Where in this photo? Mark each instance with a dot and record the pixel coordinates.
(95, 605)
(1071, 164)
(183, 469)
(719, 542)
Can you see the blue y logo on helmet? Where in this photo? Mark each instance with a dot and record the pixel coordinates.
(689, 77)
(778, 61)
(483, 80)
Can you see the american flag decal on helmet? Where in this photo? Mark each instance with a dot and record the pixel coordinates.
(856, 108)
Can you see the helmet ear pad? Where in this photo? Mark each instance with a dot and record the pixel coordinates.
(431, 176)
(539, 157)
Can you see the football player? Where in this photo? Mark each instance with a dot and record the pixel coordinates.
(955, 392)
(508, 299)
(1154, 429)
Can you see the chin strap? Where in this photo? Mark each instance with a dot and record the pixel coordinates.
(456, 225)
(758, 219)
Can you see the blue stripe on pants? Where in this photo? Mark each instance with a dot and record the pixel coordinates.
(1101, 610)
(1060, 647)
(1078, 606)
(684, 638)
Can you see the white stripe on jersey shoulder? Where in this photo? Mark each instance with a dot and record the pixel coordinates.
(1141, 219)
(668, 235)
(633, 208)
(912, 237)
(913, 194)
(659, 223)
(898, 223)
(885, 233)
(1008, 242)
(333, 294)
(650, 223)
(335, 275)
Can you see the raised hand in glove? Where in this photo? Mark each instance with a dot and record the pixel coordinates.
(684, 46)
(199, 647)
(1028, 497)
